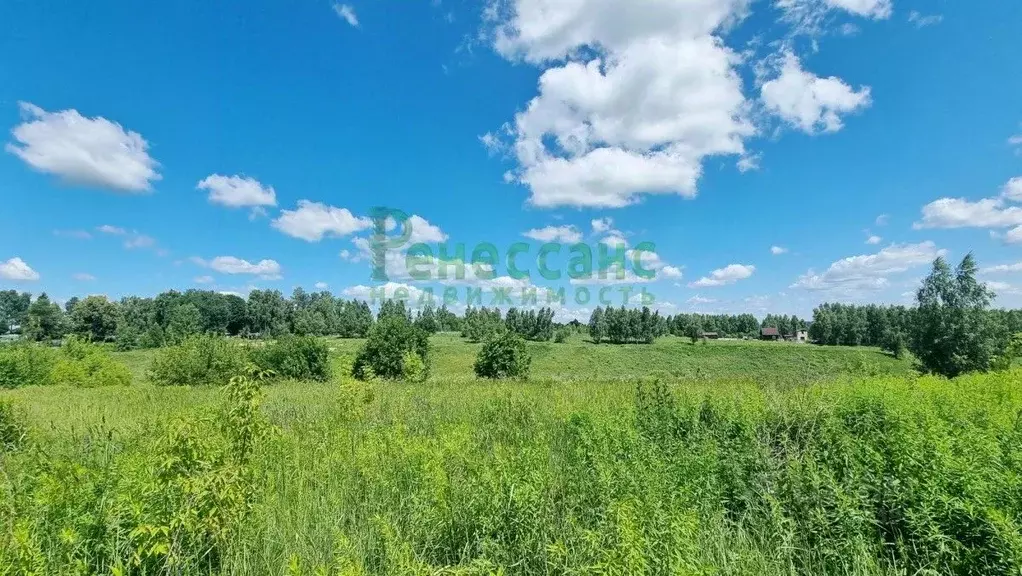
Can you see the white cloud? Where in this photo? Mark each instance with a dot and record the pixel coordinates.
(16, 269)
(778, 250)
(492, 143)
(83, 277)
(1003, 269)
(346, 12)
(1013, 236)
(421, 231)
(1012, 190)
(724, 276)
(237, 191)
(114, 230)
(139, 241)
(923, 21)
(810, 16)
(312, 221)
(809, 102)
(633, 98)
(321, 285)
(390, 290)
(962, 213)
(82, 150)
(566, 234)
(870, 271)
(874, 240)
(1016, 143)
(749, 163)
(671, 272)
(601, 225)
(699, 300)
(76, 234)
(265, 269)
(203, 280)
(883, 219)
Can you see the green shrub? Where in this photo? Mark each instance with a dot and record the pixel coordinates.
(295, 357)
(385, 349)
(503, 356)
(413, 369)
(86, 365)
(561, 336)
(199, 360)
(26, 364)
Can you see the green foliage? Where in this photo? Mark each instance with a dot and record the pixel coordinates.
(413, 369)
(535, 325)
(199, 360)
(13, 309)
(44, 320)
(85, 365)
(174, 502)
(561, 335)
(94, 318)
(26, 364)
(389, 341)
(294, 357)
(952, 333)
(503, 356)
(620, 325)
(481, 323)
(12, 429)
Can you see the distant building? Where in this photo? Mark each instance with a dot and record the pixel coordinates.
(769, 333)
(801, 336)
(710, 335)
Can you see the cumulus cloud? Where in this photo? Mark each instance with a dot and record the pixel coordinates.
(321, 285)
(633, 97)
(724, 276)
(882, 219)
(809, 102)
(874, 240)
(312, 221)
(565, 234)
(994, 212)
(347, 13)
(671, 272)
(237, 191)
(601, 225)
(16, 269)
(82, 150)
(1003, 269)
(870, 271)
(778, 250)
(265, 269)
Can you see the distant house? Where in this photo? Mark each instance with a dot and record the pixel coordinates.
(801, 336)
(710, 335)
(769, 333)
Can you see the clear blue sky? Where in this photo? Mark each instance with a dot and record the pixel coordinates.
(779, 154)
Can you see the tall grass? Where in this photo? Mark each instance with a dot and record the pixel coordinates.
(884, 475)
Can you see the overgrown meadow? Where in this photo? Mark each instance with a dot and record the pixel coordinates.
(671, 458)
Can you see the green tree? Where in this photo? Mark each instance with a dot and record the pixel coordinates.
(952, 333)
(597, 325)
(94, 318)
(503, 356)
(44, 320)
(185, 321)
(389, 343)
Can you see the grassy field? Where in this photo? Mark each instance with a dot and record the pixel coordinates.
(745, 458)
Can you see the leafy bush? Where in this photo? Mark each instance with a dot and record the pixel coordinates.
(86, 365)
(26, 364)
(503, 356)
(413, 369)
(295, 357)
(385, 349)
(198, 360)
(561, 336)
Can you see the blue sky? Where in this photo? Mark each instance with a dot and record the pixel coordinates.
(777, 153)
